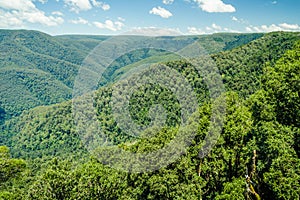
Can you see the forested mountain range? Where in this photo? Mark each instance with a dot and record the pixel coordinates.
(256, 156)
(31, 57)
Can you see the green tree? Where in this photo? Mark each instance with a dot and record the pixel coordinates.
(9, 168)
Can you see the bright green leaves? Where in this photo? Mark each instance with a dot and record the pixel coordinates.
(283, 177)
(88, 181)
(9, 168)
(267, 122)
(238, 122)
(278, 165)
(4, 152)
(233, 190)
(282, 84)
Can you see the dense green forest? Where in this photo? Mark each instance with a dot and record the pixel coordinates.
(30, 57)
(42, 154)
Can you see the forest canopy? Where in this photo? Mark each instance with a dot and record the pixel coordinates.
(256, 156)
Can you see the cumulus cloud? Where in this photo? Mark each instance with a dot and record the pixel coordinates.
(154, 31)
(84, 5)
(105, 6)
(214, 6)
(290, 26)
(79, 21)
(78, 5)
(248, 29)
(102, 5)
(161, 12)
(8, 20)
(43, 1)
(234, 18)
(110, 25)
(121, 19)
(17, 5)
(214, 28)
(168, 2)
(239, 20)
(57, 13)
(18, 12)
(195, 31)
(274, 27)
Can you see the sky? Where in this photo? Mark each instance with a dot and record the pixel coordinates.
(114, 17)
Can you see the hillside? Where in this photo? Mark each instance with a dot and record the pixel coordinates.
(241, 69)
(29, 57)
(212, 43)
(259, 140)
(48, 156)
(83, 42)
(36, 69)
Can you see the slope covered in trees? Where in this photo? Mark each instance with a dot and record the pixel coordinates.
(242, 67)
(212, 43)
(255, 157)
(28, 57)
(36, 69)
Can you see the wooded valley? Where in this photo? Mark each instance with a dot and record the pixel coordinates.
(42, 155)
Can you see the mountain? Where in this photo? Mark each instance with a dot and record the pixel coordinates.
(241, 69)
(256, 155)
(212, 43)
(38, 69)
(209, 43)
(86, 42)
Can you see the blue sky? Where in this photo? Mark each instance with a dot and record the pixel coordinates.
(111, 17)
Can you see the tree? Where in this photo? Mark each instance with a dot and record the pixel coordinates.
(9, 168)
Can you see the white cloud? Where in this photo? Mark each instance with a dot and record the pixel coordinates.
(96, 3)
(43, 1)
(248, 29)
(212, 6)
(8, 20)
(84, 5)
(102, 5)
(17, 5)
(161, 12)
(273, 27)
(57, 13)
(78, 5)
(208, 28)
(110, 25)
(105, 6)
(39, 17)
(239, 20)
(195, 31)
(234, 18)
(154, 31)
(79, 21)
(289, 26)
(121, 19)
(168, 2)
(214, 28)
(18, 12)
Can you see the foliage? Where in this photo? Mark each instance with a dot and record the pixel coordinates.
(9, 168)
(256, 155)
(242, 68)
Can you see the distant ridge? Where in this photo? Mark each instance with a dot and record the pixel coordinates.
(53, 61)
